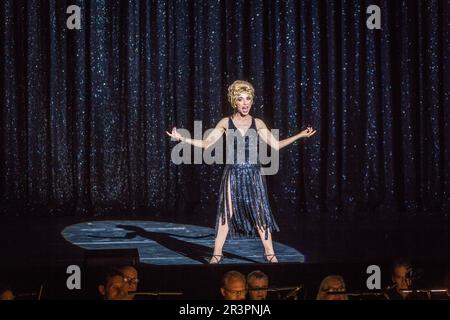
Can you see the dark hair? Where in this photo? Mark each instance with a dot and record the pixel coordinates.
(400, 262)
(121, 267)
(108, 274)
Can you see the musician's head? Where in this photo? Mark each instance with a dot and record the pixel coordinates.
(257, 285)
(130, 277)
(330, 287)
(401, 274)
(113, 286)
(233, 286)
(6, 293)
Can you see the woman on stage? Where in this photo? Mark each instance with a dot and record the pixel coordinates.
(243, 206)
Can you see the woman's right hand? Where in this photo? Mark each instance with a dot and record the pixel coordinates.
(175, 135)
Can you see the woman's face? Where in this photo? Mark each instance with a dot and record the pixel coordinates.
(244, 103)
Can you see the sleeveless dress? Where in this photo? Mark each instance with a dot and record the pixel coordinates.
(243, 200)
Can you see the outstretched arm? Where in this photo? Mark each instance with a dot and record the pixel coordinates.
(206, 143)
(272, 141)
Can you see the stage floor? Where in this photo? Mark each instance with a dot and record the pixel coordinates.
(61, 241)
(162, 243)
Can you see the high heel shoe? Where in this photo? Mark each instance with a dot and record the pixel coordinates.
(216, 259)
(271, 258)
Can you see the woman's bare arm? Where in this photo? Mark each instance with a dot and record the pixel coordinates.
(212, 138)
(272, 141)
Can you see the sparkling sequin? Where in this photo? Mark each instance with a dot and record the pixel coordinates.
(83, 112)
(243, 184)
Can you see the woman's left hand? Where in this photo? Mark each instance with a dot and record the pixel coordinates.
(308, 132)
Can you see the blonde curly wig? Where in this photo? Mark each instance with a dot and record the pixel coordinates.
(238, 87)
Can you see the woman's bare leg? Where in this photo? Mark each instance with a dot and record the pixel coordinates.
(268, 245)
(219, 242)
(222, 231)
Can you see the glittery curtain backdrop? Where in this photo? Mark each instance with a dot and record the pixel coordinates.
(83, 112)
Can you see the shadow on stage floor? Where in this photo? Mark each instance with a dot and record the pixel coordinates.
(172, 256)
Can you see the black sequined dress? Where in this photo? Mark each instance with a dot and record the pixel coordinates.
(244, 186)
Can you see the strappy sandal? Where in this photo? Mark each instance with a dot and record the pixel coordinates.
(216, 259)
(271, 258)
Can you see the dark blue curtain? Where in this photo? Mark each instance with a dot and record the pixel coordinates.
(84, 112)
